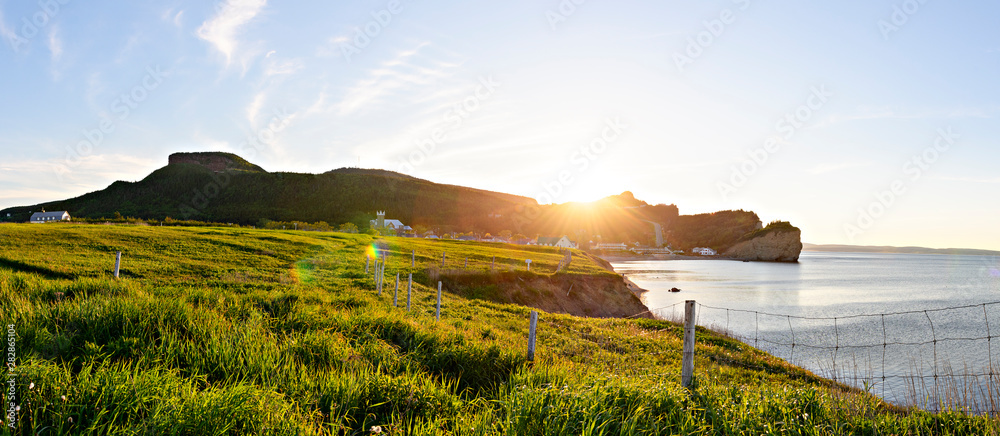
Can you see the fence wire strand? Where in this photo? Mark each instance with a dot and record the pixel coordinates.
(927, 386)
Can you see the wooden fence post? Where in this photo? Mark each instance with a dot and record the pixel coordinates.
(118, 262)
(466, 262)
(437, 315)
(493, 263)
(378, 277)
(531, 335)
(687, 364)
(443, 254)
(381, 277)
(395, 294)
(409, 292)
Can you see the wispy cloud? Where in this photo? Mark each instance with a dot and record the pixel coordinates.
(55, 44)
(8, 34)
(332, 46)
(834, 167)
(222, 31)
(94, 172)
(408, 69)
(279, 67)
(253, 109)
(862, 113)
(179, 19)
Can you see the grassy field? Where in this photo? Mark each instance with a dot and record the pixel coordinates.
(213, 331)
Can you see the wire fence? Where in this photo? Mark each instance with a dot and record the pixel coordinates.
(934, 359)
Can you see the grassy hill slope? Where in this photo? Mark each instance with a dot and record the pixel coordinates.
(235, 331)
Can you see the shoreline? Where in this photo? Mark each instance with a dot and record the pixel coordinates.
(626, 258)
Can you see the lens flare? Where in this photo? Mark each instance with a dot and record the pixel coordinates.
(372, 251)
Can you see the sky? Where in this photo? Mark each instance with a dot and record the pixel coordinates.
(862, 122)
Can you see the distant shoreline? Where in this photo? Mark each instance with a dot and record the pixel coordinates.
(833, 248)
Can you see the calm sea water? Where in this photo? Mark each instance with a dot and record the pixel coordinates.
(916, 329)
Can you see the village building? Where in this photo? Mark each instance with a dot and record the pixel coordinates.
(381, 223)
(562, 242)
(49, 217)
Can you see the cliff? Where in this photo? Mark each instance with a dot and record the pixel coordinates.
(594, 296)
(778, 242)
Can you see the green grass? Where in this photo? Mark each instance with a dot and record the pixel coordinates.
(235, 331)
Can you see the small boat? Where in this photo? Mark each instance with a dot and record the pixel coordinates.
(674, 290)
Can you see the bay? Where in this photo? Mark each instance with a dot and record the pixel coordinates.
(921, 330)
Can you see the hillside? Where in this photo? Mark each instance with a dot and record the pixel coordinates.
(222, 187)
(238, 331)
(219, 187)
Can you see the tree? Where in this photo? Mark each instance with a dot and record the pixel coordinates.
(505, 234)
(348, 228)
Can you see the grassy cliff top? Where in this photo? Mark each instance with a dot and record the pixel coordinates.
(238, 331)
(773, 227)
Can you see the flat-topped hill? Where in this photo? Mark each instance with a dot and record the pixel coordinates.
(215, 161)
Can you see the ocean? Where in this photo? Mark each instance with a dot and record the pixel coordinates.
(918, 330)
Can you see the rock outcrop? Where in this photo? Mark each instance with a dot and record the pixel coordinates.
(215, 161)
(782, 245)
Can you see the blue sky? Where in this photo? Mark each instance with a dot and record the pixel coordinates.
(822, 113)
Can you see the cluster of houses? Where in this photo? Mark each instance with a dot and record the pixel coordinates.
(704, 251)
(380, 222)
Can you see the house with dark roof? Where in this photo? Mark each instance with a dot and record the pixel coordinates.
(48, 217)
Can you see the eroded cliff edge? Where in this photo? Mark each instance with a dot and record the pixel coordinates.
(778, 242)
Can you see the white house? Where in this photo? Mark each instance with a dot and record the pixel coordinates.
(703, 251)
(562, 242)
(48, 217)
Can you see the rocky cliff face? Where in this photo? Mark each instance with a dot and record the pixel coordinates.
(777, 246)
